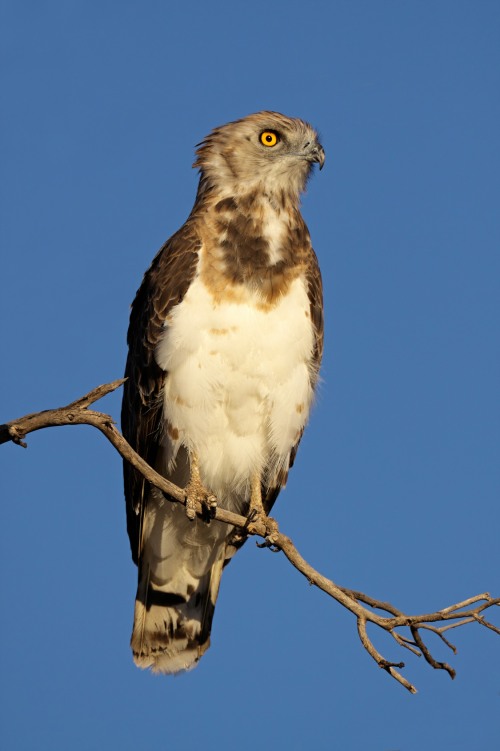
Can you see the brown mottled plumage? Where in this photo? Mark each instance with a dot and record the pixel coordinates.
(225, 343)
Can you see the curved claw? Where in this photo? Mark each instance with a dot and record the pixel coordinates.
(272, 533)
(268, 544)
(209, 505)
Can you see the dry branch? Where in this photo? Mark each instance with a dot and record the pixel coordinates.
(467, 611)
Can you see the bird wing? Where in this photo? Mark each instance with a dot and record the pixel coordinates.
(164, 286)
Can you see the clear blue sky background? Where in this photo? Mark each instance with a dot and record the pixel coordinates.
(396, 486)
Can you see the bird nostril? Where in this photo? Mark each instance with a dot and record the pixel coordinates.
(308, 143)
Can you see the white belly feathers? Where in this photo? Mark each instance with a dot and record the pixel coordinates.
(238, 389)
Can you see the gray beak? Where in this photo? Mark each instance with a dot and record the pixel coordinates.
(317, 154)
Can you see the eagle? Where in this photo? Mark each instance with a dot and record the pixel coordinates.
(225, 344)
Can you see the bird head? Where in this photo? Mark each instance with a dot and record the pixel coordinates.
(266, 150)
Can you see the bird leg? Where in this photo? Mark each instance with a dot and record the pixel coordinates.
(256, 512)
(256, 509)
(197, 493)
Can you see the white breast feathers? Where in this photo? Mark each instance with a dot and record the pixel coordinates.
(238, 390)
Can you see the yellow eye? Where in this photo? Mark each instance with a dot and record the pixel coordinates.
(269, 138)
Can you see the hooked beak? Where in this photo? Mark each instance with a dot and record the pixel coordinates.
(316, 153)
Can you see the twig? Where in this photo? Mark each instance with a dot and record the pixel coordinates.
(459, 614)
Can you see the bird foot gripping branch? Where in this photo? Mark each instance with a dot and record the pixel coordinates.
(196, 493)
(258, 523)
(272, 535)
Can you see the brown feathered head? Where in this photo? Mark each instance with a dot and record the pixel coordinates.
(266, 150)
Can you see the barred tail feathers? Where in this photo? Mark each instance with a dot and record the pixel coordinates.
(170, 632)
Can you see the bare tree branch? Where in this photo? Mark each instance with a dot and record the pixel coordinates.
(468, 611)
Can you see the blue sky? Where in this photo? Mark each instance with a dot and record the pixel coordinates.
(396, 486)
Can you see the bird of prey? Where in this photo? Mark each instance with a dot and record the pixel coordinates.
(225, 343)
